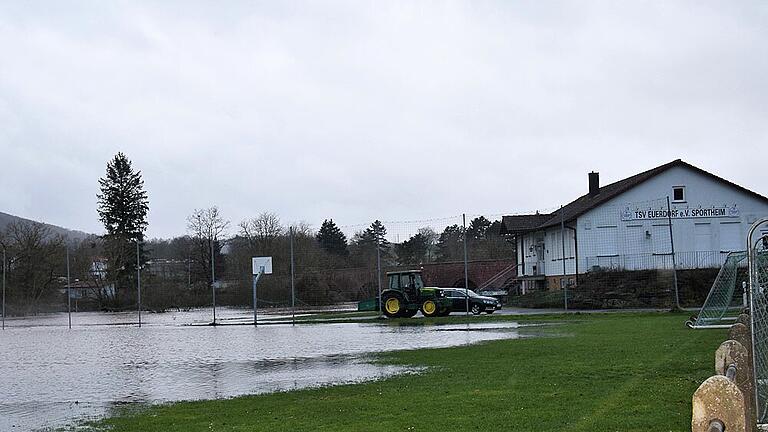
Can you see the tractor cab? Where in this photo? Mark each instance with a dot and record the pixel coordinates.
(409, 282)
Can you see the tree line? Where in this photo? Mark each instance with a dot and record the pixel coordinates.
(181, 271)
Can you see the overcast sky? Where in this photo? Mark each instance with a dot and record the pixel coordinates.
(361, 110)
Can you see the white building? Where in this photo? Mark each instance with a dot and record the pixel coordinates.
(626, 226)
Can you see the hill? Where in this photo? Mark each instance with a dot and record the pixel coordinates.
(6, 219)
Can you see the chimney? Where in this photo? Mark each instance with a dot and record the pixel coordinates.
(594, 183)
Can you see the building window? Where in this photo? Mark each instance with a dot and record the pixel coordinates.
(678, 194)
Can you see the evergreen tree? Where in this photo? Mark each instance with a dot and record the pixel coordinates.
(450, 244)
(412, 251)
(477, 228)
(331, 239)
(122, 208)
(376, 233)
(364, 244)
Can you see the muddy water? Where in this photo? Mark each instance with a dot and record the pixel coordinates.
(51, 376)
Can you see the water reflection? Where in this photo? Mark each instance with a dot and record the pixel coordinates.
(52, 376)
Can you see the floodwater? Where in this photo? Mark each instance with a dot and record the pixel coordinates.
(52, 377)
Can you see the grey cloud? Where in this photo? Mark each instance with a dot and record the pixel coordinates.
(362, 110)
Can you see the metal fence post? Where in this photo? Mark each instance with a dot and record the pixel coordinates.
(213, 281)
(562, 240)
(672, 245)
(138, 278)
(466, 270)
(69, 293)
(293, 290)
(256, 278)
(4, 270)
(378, 270)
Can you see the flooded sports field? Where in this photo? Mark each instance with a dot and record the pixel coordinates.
(53, 376)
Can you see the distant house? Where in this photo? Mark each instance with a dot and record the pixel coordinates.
(88, 290)
(626, 226)
(98, 268)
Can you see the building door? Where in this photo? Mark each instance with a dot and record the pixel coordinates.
(702, 246)
(539, 258)
(731, 238)
(702, 237)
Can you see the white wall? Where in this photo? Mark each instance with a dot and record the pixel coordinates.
(605, 239)
(550, 260)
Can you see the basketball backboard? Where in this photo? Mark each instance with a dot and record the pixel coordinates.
(259, 262)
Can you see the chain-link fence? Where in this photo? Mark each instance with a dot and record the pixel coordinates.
(344, 267)
(611, 256)
(329, 267)
(758, 271)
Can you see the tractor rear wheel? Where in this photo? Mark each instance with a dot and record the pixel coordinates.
(393, 306)
(429, 308)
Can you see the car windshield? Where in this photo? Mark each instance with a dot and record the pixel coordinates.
(472, 293)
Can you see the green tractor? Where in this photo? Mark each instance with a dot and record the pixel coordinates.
(407, 295)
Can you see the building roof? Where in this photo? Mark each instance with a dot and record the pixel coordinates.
(606, 193)
(520, 223)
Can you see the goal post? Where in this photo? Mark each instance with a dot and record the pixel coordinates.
(719, 309)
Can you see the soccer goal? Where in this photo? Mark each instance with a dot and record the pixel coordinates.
(721, 307)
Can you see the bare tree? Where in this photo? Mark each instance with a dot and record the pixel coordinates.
(208, 229)
(35, 258)
(262, 230)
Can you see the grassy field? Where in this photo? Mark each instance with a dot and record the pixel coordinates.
(609, 372)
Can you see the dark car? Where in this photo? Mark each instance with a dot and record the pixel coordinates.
(477, 303)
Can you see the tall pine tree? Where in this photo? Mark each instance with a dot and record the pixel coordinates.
(122, 208)
(376, 233)
(413, 251)
(450, 244)
(332, 239)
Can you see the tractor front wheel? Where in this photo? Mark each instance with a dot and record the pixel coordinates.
(393, 306)
(429, 308)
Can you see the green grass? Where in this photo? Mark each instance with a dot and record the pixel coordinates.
(611, 372)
